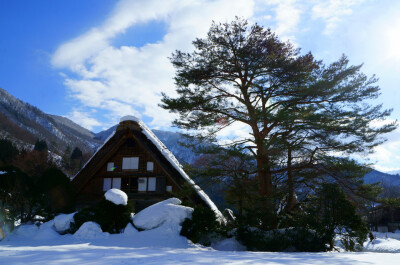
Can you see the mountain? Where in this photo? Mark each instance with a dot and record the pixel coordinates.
(23, 124)
(394, 172)
(385, 178)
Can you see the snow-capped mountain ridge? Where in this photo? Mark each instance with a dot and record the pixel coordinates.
(25, 123)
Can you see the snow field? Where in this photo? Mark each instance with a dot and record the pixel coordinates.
(160, 243)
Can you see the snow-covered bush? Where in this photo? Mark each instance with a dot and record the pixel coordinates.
(116, 196)
(203, 227)
(112, 217)
(62, 222)
(90, 230)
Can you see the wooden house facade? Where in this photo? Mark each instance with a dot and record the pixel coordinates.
(134, 160)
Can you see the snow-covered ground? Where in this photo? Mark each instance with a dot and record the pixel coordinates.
(160, 243)
(32, 245)
(119, 250)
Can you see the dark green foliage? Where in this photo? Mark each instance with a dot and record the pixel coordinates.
(40, 145)
(24, 196)
(202, 227)
(17, 194)
(295, 239)
(76, 153)
(111, 217)
(84, 215)
(330, 213)
(55, 193)
(8, 152)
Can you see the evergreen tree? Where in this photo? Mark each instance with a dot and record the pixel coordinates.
(296, 108)
(8, 152)
(40, 145)
(76, 153)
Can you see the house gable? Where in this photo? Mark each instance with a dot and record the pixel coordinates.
(132, 142)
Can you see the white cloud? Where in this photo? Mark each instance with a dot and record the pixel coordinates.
(83, 118)
(387, 154)
(287, 17)
(120, 80)
(332, 12)
(128, 79)
(125, 14)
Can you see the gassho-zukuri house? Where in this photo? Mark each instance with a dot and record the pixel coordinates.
(135, 161)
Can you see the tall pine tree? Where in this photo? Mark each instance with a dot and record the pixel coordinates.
(296, 108)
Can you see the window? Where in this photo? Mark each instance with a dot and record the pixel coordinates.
(152, 184)
(116, 183)
(110, 166)
(107, 184)
(130, 163)
(142, 184)
(150, 166)
(169, 188)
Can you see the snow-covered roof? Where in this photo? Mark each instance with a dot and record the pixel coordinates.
(129, 118)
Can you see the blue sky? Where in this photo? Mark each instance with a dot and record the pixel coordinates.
(97, 60)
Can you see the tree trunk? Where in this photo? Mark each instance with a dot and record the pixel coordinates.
(291, 201)
(264, 174)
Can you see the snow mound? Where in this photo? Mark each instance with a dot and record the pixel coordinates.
(228, 244)
(90, 230)
(169, 213)
(130, 230)
(26, 230)
(49, 224)
(46, 233)
(116, 196)
(388, 245)
(62, 222)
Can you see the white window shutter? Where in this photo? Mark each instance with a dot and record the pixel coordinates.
(110, 166)
(125, 163)
(106, 184)
(135, 162)
(152, 184)
(130, 163)
(150, 166)
(116, 184)
(142, 184)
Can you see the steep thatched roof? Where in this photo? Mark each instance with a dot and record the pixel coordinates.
(131, 127)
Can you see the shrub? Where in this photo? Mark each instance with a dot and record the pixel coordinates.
(17, 194)
(55, 193)
(290, 239)
(331, 213)
(203, 226)
(111, 217)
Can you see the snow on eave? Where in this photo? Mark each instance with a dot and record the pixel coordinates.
(175, 163)
(129, 118)
(98, 149)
